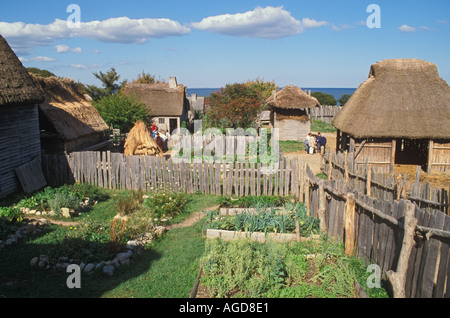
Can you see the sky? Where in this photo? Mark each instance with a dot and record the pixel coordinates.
(208, 44)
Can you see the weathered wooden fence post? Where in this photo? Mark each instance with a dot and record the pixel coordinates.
(369, 181)
(398, 278)
(349, 224)
(330, 169)
(307, 198)
(322, 208)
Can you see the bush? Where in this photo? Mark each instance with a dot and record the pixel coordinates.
(63, 200)
(121, 111)
(165, 204)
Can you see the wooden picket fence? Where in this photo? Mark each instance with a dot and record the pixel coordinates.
(324, 113)
(384, 186)
(116, 171)
(374, 230)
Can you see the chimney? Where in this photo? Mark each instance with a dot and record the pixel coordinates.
(173, 82)
(274, 93)
(194, 97)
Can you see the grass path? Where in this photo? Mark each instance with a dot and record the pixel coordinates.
(170, 269)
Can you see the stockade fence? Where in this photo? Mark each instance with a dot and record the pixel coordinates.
(324, 113)
(368, 180)
(409, 244)
(116, 171)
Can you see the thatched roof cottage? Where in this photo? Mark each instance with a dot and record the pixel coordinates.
(399, 115)
(289, 112)
(166, 102)
(19, 120)
(68, 121)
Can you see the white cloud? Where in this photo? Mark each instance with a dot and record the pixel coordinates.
(42, 59)
(84, 67)
(65, 48)
(94, 51)
(407, 28)
(23, 37)
(269, 23)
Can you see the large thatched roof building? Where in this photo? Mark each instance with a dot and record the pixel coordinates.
(399, 115)
(68, 121)
(289, 112)
(19, 121)
(166, 102)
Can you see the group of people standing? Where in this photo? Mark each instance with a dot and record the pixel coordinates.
(315, 143)
(161, 137)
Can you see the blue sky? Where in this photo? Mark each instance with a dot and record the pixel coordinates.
(323, 43)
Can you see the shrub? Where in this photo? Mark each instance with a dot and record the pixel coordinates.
(163, 204)
(64, 200)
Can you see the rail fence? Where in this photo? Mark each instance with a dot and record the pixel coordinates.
(324, 113)
(376, 230)
(368, 180)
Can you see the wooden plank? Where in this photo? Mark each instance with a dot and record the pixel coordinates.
(241, 178)
(218, 179)
(287, 179)
(258, 178)
(432, 262)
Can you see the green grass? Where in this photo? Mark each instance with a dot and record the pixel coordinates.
(320, 126)
(290, 146)
(167, 268)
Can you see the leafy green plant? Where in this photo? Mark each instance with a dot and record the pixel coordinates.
(64, 200)
(11, 214)
(163, 203)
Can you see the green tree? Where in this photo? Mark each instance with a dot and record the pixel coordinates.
(237, 105)
(344, 99)
(324, 99)
(110, 85)
(38, 72)
(145, 78)
(121, 111)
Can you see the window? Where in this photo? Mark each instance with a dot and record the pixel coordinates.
(161, 121)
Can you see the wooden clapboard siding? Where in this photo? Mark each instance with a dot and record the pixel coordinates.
(290, 129)
(440, 156)
(19, 143)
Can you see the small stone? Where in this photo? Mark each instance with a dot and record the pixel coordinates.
(89, 267)
(44, 221)
(31, 211)
(82, 266)
(99, 265)
(108, 269)
(124, 256)
(63, 259)
(131, 245)
(125, 262)
(51, 213)
(34, 261)
(115, 263)
(65, 212)
(38, 212)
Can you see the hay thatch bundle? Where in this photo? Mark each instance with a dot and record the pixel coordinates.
(16, 85)
(140, 143)
(402, 98)
(292, 97)
(68, 109)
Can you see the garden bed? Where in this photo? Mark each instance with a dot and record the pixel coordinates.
(314, 269)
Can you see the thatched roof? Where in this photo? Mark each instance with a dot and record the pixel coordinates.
(160, 99)
(16, 85)
(402, 98)
(292, 97)
(68, 109)
(140, 143)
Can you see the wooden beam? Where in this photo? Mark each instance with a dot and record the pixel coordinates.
(430, 156)
(358, 151)
(393, 149)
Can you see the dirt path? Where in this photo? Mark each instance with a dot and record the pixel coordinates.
(314, 161)
(194, 218)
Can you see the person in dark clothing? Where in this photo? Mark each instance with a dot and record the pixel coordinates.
(159, 142)
(321, 142)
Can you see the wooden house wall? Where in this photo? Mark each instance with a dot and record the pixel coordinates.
(19, 143)
(440, 157)
(293, 129)
(375, 152)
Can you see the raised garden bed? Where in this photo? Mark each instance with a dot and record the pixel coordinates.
(312, 269)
